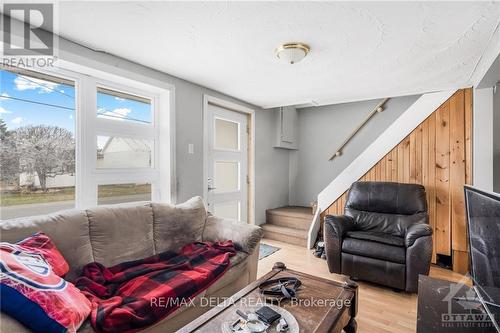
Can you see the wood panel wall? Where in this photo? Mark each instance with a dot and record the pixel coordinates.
(438, 155)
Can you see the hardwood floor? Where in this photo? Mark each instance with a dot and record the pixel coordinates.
(381, 310)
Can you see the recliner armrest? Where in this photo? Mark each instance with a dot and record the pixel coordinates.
(334, 231)
(338, 225)
(244, 236)
(416, 231)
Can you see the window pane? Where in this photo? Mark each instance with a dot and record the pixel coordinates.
(119, 152)
(228, 210)
(227, 176)
(37, 149)
(119, 106)
(119, 193)
(226, 134)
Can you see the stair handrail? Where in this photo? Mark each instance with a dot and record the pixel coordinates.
(379, 108)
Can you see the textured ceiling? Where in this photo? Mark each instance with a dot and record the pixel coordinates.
(359, 50)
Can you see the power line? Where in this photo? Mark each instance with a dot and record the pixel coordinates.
(46, 87)
(39, 103)
(105, 112)
(114, 115)
(109, 113)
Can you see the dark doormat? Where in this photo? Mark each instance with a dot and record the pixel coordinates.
(266, 250)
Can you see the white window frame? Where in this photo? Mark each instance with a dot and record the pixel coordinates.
(161, 131)
(128, 129)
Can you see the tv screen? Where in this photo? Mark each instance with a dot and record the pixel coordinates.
(483, 216)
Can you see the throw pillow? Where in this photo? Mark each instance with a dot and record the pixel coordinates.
(42, 244)
(34, 295)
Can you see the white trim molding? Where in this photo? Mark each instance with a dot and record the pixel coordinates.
(397, 131)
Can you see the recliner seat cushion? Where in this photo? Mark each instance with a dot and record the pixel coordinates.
(377, 237)
(374, 250)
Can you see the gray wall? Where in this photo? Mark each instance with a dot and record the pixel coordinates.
(271, 181)
(322, 130)
(482, 167)
(496, 138)
(271, 168)
(486, 124)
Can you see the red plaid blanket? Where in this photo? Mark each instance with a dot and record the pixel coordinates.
(133, 295)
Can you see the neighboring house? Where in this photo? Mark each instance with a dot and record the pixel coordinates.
(65, 180)
(116, 153)
(124, 152)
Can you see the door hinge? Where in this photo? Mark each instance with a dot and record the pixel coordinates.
(248, 179)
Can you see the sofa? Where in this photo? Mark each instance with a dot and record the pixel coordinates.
(384, 236)
(118, 233)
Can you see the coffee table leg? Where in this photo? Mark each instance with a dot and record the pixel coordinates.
(351, 326)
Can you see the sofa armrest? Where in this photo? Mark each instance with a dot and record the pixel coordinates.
(244, 236)
(416, 231)
(335, 229)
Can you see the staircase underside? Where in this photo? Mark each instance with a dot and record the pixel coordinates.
(288, 224)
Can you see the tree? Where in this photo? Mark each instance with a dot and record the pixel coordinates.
(9, 164)
(45, 150)
(4, 132)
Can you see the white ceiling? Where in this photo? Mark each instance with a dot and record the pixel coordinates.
(359, 50)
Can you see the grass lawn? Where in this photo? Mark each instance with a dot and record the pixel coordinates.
(11, 198)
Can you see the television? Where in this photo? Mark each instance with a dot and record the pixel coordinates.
(483, 233)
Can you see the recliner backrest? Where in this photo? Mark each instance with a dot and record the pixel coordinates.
(386, 206)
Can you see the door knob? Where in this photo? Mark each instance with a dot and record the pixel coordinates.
(210, 188)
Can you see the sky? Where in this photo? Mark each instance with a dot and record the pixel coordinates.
(17, 113)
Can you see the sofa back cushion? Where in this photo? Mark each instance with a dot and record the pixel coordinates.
(69, 230)
(178, 225)
(121, 233)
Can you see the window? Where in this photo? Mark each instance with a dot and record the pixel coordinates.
(71, 140)
(37, 129)
(116, 105)
(118, 193)
(121, 152)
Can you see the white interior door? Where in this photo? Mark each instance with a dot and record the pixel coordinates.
(227, 163)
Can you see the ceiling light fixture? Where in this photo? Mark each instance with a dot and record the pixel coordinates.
(292, 53)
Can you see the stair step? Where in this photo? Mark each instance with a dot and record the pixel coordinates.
(285, 234)
(296, 211)
(290, 216)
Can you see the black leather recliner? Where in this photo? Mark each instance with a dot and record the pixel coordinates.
(384, 236)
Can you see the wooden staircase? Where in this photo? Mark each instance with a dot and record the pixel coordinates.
(288, 224)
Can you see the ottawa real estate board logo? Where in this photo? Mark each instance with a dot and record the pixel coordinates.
(28, 34)
(465, 311)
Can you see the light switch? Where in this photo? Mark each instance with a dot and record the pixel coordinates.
(190, 148)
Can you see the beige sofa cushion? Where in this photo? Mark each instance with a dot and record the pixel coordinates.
(69, 230)
(176, 226)
(9, 324)
(120, 233)
(244, 236)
